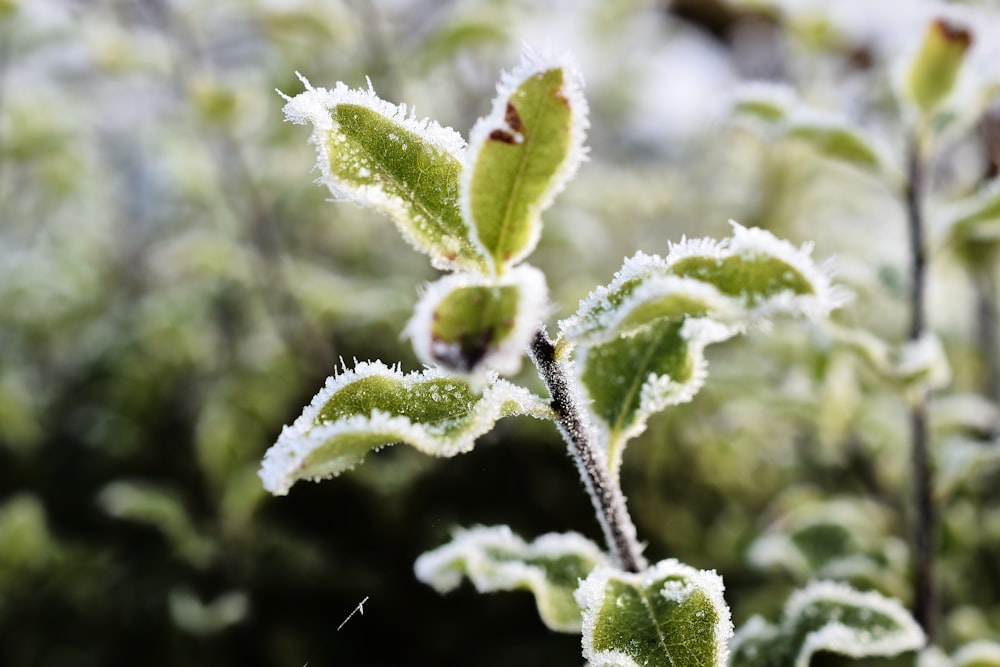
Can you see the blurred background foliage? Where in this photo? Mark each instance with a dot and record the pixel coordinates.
(174, 288)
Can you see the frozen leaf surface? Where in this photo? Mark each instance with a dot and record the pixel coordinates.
(471, 323)
(379, 155)
(827, 616)
(522, 154)
(495, 559)
(641, 339)
(670, 615)
(373, 405)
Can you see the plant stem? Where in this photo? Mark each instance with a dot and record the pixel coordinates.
(925, 513)
(578, 432)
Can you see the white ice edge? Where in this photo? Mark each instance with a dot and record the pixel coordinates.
(591, 593)
(843, 639)
(469, 546)
(506, 359)
(531, 64)
(283, 461)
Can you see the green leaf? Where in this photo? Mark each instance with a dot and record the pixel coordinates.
(776, 111)
(973, 224)
(494, 559)
(472, 324)
(835, 139)
(373, 405)
(848, 539)
(633, 377)
(522, 154)
(641, 339)
(378, 155)
(977, 654)
(827, 616)
(670, 615)
(762, 104)
(935, 68)
(161, 508)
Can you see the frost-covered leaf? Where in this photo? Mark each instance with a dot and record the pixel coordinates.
(977, 654)
(522, 154)
(379, 155)
(641, 339)
(933, 72)
(919, 365)
(827, 616)
(495, 559)
(633, 377)
(848, 539)
(471, 323)
(670, 615)
(373, 405)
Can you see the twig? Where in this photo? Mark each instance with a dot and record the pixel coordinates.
(925, 512)
(360, 609)
(605, 493)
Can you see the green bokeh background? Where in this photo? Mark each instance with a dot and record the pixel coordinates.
(174, 288)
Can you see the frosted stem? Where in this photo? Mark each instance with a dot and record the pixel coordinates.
(605, 492)
(925, 514)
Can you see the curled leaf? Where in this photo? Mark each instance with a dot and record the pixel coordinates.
(522, 154)
(373, 405)
(670, 615)
(827, 616)
(472, 324)
(495, 559)
(934, 70)
(379, 155)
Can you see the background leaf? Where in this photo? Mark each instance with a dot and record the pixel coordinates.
(832, 617)
(495, 559)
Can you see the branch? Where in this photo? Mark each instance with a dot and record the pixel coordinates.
(578, 432)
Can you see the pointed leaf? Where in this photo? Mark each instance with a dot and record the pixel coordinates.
(836, 139)
(373, 405)
(827, 616)
(633, 377)
(641, 339)
(932, 74)
(378, 155)
(670, 615)
(494, 559)
(974, 223)
(522, 155)
(471, 324)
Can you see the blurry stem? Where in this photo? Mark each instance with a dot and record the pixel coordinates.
(605, 492)
(925, 515)
(6, 40)
(987, 328)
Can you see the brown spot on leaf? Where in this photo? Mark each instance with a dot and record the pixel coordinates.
(513, 119)
(504, 136)
(953, 32)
